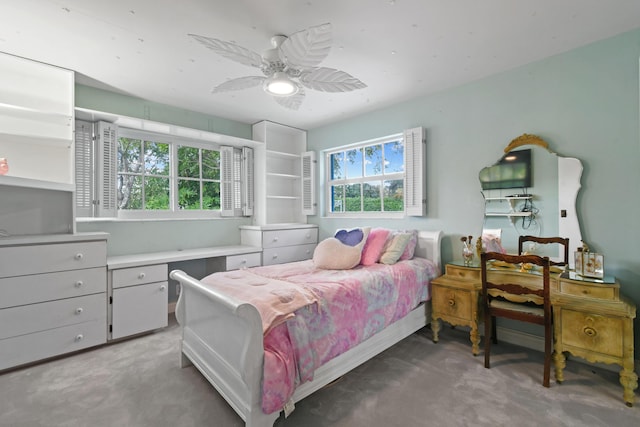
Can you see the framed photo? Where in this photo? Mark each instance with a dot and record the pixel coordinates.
(589, 264)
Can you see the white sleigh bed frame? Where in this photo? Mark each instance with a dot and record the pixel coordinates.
(223, 338)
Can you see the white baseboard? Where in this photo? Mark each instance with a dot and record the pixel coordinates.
(536, 342)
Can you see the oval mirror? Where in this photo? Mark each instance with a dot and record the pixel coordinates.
(531, 190)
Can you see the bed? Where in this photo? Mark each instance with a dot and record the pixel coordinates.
(224, 336)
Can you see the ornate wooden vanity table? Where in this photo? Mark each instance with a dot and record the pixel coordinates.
(592, 320)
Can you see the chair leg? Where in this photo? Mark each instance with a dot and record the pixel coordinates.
(547, 355)
(494, 332)
(488, 321)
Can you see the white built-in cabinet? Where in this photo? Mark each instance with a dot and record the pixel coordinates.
(281, 243)
(138, 299)
(36, 138)
(284, 172)
(54, 296)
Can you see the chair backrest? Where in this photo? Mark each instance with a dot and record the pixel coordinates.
(538, 288)
(564, 242)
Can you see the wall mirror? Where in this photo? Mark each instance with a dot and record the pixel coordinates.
(532, 190)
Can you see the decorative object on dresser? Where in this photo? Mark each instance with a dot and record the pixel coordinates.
(224, 337)
(589, 264)
(515, 299)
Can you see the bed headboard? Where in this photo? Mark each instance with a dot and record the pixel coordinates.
(429, 246)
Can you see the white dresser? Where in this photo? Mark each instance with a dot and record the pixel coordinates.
(281, 243)
(54, 295)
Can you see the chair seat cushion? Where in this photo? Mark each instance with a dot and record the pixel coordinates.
(513, 306)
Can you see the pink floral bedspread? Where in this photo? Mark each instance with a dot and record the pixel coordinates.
(352, 306)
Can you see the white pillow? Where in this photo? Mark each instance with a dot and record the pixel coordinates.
(332, 254)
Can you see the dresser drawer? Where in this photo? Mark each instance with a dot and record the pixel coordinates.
(287, 254)
(31, 347)
(280, 238)
(47, 258)
(463, 272)
(139, 275)
(31, 318)
(34, 288)
(589, 290)
(599, 334)
(235, 262)
(452, 302)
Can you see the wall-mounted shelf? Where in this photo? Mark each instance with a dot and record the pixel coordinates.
(283, 175)
(509, 214)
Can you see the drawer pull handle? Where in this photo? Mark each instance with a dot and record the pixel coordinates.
(275, 256)
(590, 332)
(79, 337)
(79, 283)
(79, 256)
(162, 288)
(275, 239)
(244, 261)
(141, 276)
(452, 302)
(79, 310)
(308, 236)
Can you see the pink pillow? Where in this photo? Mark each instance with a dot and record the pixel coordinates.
(375, 245)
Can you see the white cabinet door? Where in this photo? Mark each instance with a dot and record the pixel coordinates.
(139, 308)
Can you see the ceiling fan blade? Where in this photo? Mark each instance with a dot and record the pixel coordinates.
(330, 80)
(230, 50)
(239, 84)
(292, 102)
(307, 48)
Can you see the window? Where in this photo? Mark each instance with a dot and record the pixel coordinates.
(162, 175)
(370, 177)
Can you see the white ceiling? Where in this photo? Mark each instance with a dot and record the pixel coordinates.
(400, 48)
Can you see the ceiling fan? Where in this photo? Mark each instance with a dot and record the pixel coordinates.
(288, 67)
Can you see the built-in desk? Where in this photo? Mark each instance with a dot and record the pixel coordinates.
(137, 284)
(592, 319)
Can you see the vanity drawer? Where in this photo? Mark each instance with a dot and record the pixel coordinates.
(235, 262)
(287, 254)
(452, 302)
(31, 347)
(463, 272)
(589, 290)
(34, 288)
(280, 238)
(596, 333)
(31, 318)
(46, 258)
(139, 275)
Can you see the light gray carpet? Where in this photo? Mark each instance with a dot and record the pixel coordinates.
(415, 383)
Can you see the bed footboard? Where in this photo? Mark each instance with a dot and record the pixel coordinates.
(223, 338)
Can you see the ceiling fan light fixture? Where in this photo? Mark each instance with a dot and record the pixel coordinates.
(280, 85)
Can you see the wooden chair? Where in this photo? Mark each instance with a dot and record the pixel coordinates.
(545, 241)
(528, 301)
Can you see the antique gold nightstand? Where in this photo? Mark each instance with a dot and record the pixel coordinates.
(455, 298)
(593, 321)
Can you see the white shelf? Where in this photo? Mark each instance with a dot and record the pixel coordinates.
(493, 199)
(283, 175)
(282, 155)
(509, 214)
(283, 197)
(16, 181)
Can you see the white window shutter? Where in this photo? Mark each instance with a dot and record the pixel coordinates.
(84, 168)
(308, 173)
(415, 161)
(106, 170)
(247, 181)
(226, 181)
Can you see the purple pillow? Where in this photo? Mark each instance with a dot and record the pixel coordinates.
(351, 237)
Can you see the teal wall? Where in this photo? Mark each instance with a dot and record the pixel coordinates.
(583, 102)
(131, 237)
